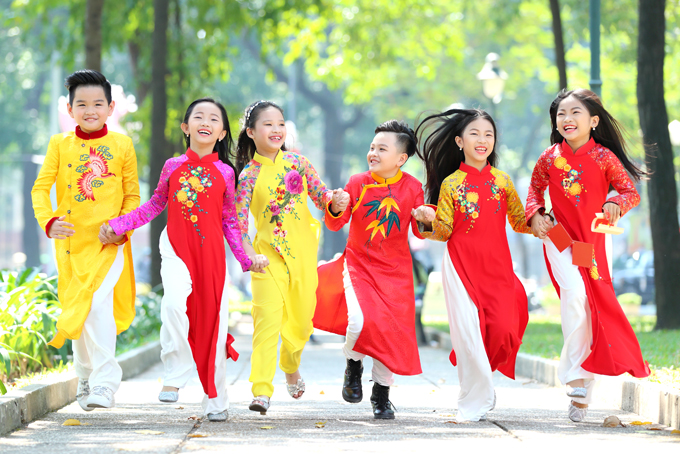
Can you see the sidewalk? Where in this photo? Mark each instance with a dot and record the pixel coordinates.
(529, 416)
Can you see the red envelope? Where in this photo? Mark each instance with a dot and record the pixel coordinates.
(582, 254)
(560, 238)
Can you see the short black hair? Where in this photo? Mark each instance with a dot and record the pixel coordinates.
(87, 77)
(405, 135)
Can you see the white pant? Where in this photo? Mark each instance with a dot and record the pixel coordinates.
(176, 355)
(94, 353)
(474, 370)
(575, 313)
(355, 323)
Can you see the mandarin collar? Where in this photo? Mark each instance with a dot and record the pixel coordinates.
(265, 160)
(392, 180)
(472, 170)
(581, 151)
(94, 135)
(212, 157)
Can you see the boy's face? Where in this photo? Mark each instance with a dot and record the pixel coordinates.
(90, 108)
(386, 155)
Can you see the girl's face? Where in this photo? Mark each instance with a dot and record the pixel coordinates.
(205, 126)
(574, 122)
(477, 142)
(385, 156)
(269, 132)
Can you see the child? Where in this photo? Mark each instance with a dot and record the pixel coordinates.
(198, 188)
(587, 157)
(96, 175)
(273, 185)
(486, 302)
(367, 293)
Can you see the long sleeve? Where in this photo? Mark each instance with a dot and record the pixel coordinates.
(130, 185)
(442, 226)
(40, 194)
(335, 223)
(230, 224)
(317, 189)
(148, 211)
(516, 216)
(628, 197)
(420, 200)
(244, 195)
(539, 183)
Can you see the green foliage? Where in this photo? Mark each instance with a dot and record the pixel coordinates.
(28, 312)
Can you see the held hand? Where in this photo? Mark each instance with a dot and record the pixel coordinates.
(340, 201)
(540, 225)
(424, 214)
(260, 262)
(612, 212)
(108, 236)
(60, 229)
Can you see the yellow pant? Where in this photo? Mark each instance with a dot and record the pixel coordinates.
(281, 305)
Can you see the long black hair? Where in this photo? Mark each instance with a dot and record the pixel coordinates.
(608, 133)
(405, 135)
(222, 147)
(245, 146)
(441, 154)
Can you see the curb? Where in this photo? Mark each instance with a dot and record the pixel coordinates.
(653, 401)
(33, 401)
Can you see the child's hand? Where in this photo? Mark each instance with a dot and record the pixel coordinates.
(108, 236)
(340, 201)
(612, 212)
(60, 229)
(540, 225)
(260, 262)
(424, 214)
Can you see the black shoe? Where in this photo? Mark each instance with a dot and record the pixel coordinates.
(380, 399)
(351, 387)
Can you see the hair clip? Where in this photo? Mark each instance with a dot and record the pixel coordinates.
(250, 110)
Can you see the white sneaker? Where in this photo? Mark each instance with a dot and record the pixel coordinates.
(83, 393)
(577, 392)
(101, 397)
(577, 414)
(217, 417)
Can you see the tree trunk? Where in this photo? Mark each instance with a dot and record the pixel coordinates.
(333, 148)
(93, 34)
(560, 60)
(159, 149)
(663, 200)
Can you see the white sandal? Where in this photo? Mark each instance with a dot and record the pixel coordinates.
(261, 404)
(296, 388)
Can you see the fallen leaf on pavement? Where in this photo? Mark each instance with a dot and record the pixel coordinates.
(612, 421)
(71, 422)
(640, 423)
(266, 427)
(320, 424)
(149, 432)
(197, 435)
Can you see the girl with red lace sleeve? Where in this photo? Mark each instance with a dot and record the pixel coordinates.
(486, 302)
(588, 158)
(199, 190)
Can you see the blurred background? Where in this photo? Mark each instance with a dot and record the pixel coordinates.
(339, 68)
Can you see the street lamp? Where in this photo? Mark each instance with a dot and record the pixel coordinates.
(493, 78)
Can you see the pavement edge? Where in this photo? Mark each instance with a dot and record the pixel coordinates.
(653, 401)
(33, 401)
